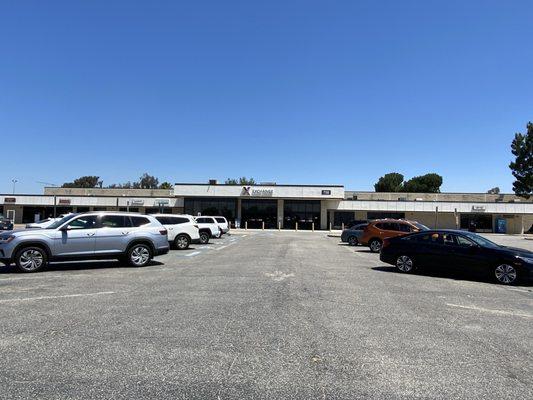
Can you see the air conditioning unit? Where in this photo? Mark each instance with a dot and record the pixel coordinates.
(213, 181)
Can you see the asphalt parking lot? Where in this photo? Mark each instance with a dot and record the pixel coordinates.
(263, 315)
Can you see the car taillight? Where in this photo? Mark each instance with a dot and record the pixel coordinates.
(163, 231)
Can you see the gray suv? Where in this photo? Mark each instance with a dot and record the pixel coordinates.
(134, 238)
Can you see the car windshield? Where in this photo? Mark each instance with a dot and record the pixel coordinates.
(422, 227)
(480, 240)
(61, 221)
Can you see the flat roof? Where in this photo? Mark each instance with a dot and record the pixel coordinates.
(255, 184)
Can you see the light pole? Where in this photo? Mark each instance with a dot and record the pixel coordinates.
(14, 183)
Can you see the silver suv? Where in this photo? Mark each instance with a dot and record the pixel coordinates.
(134, 238)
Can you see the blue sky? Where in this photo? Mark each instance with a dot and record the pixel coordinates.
(334, 92)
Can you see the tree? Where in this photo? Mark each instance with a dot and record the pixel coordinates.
(148, 181)
(391, 182)
(522, 166)
(429, 183)
(241, 181)
(494, 190)
(84, 182)
(165, 185)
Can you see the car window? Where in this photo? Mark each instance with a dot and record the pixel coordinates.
(115, 221)
(429, 238)
(404, 228)
(204, 220)
(221, 220)
(85, 222)
(449, 239)
(139, 221)
(463, 242)
(390, 226)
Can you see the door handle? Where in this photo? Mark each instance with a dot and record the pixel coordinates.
(125, 233)
(91, 234)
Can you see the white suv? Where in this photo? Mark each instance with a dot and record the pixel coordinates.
(222, 223)
(182, 229)
(208, 228)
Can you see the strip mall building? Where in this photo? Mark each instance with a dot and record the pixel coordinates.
(284, 206)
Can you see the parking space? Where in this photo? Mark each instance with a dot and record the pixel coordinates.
(262, 315)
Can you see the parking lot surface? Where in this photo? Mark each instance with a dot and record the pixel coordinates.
(263, 315)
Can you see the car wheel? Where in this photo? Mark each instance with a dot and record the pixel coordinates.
(404, 264)
(182, 242)
(506, 274)
(30, 259)
(139, 255)
(375, 245)
(352, 241)
(204, 237)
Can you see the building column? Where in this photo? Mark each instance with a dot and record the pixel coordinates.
(281, 212)
(324, 214)
(238, 216)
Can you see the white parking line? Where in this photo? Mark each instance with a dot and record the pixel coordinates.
(194, 253)
(223, 247)
(488, 310)
(56, 297)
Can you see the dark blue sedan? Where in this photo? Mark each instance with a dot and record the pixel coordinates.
(458, 250)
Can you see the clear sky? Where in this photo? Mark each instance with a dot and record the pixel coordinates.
(306, 92)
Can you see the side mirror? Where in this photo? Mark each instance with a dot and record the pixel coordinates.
(65, 228)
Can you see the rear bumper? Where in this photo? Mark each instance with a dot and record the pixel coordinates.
(195, 241)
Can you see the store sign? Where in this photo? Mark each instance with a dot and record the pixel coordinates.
(10, 199)
(137, 202)
(162, 202)
(249, 191)
(478, 209)
(64, 202)
(326, 192)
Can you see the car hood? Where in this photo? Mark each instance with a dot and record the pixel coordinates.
(22, 232)
(518, 251)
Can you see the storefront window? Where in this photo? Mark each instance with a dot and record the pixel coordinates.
(303, 212)
(226, 207)
(479, 222)
(255, 212)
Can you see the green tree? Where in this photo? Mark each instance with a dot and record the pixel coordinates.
(148, 182)
(165, 185)
(84, 182)
(429, 183)
(241, 181)
(494, 190)
(522, 166)
(391, 182)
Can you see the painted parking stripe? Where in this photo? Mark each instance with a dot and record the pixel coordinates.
(194, 253)
(491, 311)
(56, 297)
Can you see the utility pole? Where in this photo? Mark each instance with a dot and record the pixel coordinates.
(14, 183)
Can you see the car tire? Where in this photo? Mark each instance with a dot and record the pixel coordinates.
(375, 245)
(182, 242)
(204, 237)
(405, 264)
(139, 255)
(31, 259)
(352, 241)
(506, 274)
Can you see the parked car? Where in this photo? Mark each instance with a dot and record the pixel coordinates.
(208, 228)
(5, 224)
(353, 235)
(134, 238)
(223, 224)
(379, 229)
(182, 229)
(354, 222)
(458, 250)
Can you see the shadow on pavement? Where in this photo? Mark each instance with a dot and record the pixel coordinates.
(440, 273)
(80, 265)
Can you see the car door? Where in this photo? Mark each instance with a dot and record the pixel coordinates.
(467, 255)
(429, 250)
(76, 238)
(112, 236)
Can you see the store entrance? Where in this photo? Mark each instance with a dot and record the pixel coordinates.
(305, 213)
(255, 212)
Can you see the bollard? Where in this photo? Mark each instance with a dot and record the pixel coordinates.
(263, 225)
(245, 225)
(296, 226)
(330, 226)
(313, 227)
(279, 226)
(342, 226)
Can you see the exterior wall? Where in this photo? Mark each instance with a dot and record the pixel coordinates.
(58, 191)
(460, 197)
(263, 191)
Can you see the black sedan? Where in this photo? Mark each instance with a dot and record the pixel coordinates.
(458, 250)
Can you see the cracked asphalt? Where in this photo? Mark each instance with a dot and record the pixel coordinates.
(267, 315)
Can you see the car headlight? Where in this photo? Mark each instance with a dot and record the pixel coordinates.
(529, 260)
(6, 239)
